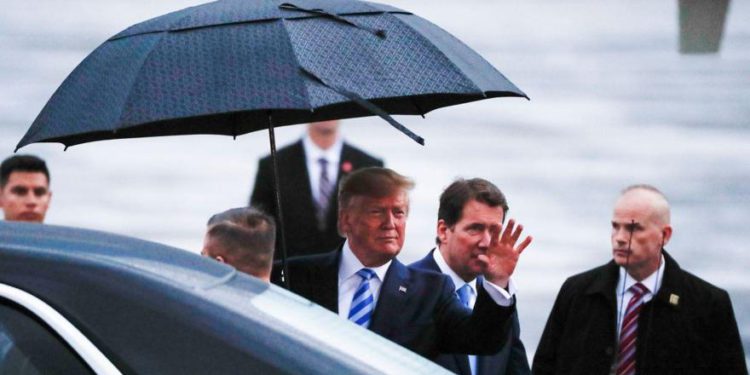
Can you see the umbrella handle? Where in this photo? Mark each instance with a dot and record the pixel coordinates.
(279, 214)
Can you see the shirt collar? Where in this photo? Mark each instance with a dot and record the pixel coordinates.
(446, 269)
(350, 265)
(649, 282)
(313, 152)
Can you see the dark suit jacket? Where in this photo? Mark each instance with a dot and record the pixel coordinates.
(510, 360)
(696, 335)
(300, 224)
(415, 309)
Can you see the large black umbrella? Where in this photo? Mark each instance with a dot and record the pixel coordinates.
(234, 66)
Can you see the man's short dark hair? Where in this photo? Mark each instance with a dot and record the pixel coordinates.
(373, 182)
(454, 198)
(247, 234)
(21, 163)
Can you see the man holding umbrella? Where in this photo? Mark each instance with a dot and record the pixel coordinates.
(364, 282)
(640, 313)
(309, 170)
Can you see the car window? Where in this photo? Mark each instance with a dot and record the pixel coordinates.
(29, 347)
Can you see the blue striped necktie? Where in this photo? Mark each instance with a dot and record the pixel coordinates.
(362, 302)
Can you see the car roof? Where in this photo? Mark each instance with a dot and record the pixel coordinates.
(154, 308)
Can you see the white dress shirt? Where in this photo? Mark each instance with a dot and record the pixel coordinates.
(312, 154)
(652, 283)
(349, 280)
(499, 295)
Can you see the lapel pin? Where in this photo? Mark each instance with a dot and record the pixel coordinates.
(674, 299)
(402, 289)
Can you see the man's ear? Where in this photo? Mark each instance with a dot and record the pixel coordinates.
(666, 234)
(442, 230)
(343, 222)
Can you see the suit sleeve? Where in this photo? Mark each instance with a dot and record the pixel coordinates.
(546, 353)
(728, 356)
(518, 363)
(461, 330)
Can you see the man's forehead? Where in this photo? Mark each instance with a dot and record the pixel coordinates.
(25, 177)
(475, 210)
(396, 196)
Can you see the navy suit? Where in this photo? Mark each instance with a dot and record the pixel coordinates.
(300, 223)
(510, 360)
(415, 309)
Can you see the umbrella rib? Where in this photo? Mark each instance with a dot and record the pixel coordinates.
(294, 53)
(472, 86)
(336, 17)
(366, 104)
(118, 124)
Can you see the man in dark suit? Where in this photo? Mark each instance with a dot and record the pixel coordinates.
(365, 283)
(640, 313)
(308, 199)
(470, 211)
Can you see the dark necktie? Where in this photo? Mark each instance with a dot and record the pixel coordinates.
(325, 188)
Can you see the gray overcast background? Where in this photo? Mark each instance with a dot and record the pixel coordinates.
(613, 103)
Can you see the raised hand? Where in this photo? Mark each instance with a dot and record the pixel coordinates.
(503, 253)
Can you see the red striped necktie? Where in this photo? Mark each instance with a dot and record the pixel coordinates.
(629, 331)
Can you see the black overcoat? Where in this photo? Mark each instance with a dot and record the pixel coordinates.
(688, 328)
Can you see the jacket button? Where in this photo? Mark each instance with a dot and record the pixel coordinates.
(609, 350)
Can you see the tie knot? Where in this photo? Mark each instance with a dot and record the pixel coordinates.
(323, 162)
(464, 294)
(366, 274)
(638, 289)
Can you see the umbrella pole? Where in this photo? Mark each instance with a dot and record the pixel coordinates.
(280, 216)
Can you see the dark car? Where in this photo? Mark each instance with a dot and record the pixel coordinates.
(76, 301)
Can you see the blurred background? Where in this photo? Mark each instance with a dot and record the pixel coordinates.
(612, 103)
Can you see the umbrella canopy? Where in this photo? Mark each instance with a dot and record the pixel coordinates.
(232, 66)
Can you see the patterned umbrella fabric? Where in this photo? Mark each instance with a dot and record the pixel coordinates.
(232, 66)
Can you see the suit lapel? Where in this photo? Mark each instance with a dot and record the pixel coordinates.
(296, 180)
(393, 294)
(605, 286)
(671, 285)
(461, 360)
(321, 281)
